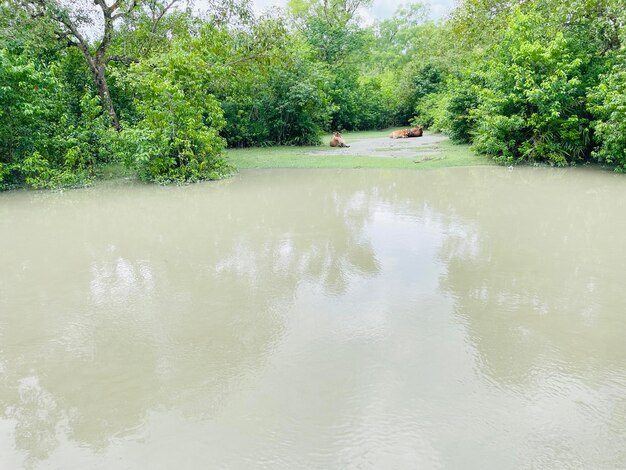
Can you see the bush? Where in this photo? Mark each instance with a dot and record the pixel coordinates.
(299, 107)
(459, 106)
(176, 138)
(343, 93)
(40, 174)
(527, 103)
(291, 107)
(608, 103)
(373, 111)
(430, 112)
(418, 80)
(44, 141)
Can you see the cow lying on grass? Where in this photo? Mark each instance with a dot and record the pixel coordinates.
(337, 141)
(416, 131)
(404, 133)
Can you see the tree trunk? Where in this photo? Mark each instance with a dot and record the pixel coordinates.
(103, 90)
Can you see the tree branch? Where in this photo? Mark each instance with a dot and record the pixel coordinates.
(102, 4)
(130, 8)
(66, 36)
(155, 21)
(82, 42)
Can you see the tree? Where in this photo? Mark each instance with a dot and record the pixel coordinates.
(70, 20)
(333, 12)
(398, 37)
(481, 23)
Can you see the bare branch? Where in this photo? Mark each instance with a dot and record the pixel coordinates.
(155, 21)
(71, 28)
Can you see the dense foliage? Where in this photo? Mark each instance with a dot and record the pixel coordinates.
(154, 86)
(544, 84)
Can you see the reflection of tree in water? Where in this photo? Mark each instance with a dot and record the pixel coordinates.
(151, 297)
(535, 270)
(173, 298)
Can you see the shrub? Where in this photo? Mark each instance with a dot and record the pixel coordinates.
(417, 81)
(44, 142)
(608, 103)
(430, 112)
(459, 118)
(176, 138)
(528, 103)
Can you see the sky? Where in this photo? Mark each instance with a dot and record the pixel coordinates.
(380, 9)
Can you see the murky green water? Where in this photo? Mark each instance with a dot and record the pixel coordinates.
(463, 318)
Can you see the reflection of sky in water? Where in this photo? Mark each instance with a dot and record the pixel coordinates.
(119, 280)
(329, 319)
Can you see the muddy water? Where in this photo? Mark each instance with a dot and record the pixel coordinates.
(463, 318)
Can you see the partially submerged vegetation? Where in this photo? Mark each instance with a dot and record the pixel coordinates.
(155, 87)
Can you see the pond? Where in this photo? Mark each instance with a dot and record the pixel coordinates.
(298, 319)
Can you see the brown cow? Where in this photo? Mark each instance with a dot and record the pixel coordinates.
(402, 134)
(415, 131)
(337, 141)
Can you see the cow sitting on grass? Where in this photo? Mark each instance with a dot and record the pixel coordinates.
(337, 141)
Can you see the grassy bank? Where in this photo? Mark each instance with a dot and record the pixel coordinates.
(437, 155)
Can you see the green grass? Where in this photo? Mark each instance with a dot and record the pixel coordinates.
(297, 157)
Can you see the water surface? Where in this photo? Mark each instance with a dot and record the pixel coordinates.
(459, 318)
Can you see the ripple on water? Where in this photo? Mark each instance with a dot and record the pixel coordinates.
(317, 319)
